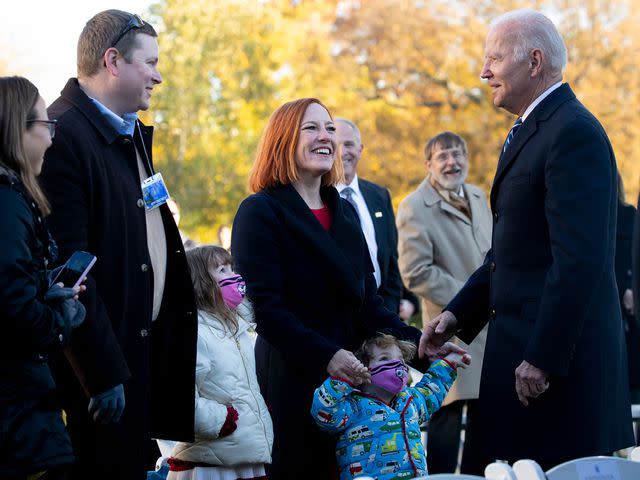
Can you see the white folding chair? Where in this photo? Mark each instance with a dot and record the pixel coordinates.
(580, 469)
(635, 416)
(499, 471)
(635, 454)
(528, 470)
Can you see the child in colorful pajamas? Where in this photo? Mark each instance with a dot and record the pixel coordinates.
(378, 424)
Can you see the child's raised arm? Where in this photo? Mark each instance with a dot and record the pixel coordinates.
(332, 409)
(430, 391)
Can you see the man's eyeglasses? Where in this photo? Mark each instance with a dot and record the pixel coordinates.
(51, 124)
(134, 22)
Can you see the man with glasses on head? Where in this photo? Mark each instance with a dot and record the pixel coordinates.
(129, 371)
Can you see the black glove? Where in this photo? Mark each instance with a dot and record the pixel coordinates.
(57, 294)
(107, 407)
(73, 312)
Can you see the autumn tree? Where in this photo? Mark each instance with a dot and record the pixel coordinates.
(403, 70)
(211, 108)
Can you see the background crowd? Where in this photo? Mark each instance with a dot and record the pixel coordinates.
(535, 281)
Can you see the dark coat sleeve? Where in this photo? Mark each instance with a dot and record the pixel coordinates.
(579, 184)
(258, 257)
(391, 289)
(471, 304)
(94, 352)
(27, 321)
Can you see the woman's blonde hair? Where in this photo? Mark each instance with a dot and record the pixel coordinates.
(202, 261)
(275, 162)
(18, 98)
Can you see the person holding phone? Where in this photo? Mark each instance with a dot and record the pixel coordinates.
(36, 318)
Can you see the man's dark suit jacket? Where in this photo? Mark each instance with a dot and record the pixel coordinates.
(624, 272)
(548, 289)
(378, 202)
(635, 259)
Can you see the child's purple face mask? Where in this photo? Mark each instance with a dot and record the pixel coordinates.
(391, 376)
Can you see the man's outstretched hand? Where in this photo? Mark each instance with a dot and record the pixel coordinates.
(434, 335)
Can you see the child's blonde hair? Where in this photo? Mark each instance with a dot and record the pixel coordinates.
(202, 261)
(384, 340)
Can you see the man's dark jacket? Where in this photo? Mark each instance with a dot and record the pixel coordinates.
(548, 289)
(624, 277)
(380, 208)
(635, 259)
(91, 179)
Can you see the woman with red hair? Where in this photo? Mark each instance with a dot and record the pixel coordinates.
(308, 273)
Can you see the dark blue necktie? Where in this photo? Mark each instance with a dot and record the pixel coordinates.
(347, 194)
(512, 133)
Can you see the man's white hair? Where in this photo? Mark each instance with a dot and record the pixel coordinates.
(353, 127)
(531, 30)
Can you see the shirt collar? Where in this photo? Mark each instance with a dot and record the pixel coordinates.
(124, 125)
(540, 98)
(354, 185)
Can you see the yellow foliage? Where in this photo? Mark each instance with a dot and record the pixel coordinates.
(403, 70)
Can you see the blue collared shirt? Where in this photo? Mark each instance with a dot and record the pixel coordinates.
(124, 125)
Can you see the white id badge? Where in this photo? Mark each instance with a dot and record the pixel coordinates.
(154, 192)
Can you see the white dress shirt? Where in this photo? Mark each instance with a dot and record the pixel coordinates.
(541, 97)
(366, 223)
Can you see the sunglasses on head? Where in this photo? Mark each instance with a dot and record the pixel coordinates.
(51, 125)
(134, 22)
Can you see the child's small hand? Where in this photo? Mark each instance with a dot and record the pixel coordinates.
(450, 347)
(361, 373)
(457, 360)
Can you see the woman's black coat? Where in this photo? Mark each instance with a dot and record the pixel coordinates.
(313, 293)
(32, 435)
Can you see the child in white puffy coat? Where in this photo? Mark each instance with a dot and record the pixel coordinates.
(233, 429)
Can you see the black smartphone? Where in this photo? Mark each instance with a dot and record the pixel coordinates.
(75, 269)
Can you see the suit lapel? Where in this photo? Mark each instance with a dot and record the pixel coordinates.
(529, 128)
(335, 247)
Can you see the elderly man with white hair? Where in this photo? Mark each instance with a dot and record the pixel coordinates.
(554, 381)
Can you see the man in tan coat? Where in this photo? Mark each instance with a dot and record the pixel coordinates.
(444, 230)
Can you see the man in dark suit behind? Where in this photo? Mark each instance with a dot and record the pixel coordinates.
(547, 286)
(373, 206)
